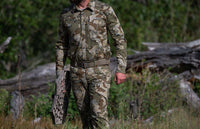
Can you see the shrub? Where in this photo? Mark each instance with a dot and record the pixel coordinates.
(4, 100)
(41, 106)
(197, 87)
(151, 92)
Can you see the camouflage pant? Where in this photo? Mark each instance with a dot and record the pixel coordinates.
(90, 87)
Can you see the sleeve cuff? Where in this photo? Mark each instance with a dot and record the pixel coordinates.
(121, 70)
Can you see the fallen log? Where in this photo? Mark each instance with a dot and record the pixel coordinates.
(153, 46)
(177, 59)
(189, 95)
(32, 82)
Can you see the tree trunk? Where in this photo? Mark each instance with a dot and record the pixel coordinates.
(4, 45)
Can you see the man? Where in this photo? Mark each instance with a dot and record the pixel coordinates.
(83, 39)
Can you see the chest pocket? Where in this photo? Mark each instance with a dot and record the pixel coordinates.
(96, 22)
(71, 25)
(96, 26)
(73, 30)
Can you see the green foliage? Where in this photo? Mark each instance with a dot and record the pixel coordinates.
(149, 91)
(157, 21)
(34, 24)
(72, 110)
(38, 106)
(197, 87)
(118, 98)
(4, 97)
(41, 106)
(68, 125)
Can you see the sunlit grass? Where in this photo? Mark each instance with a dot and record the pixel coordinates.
(147, 89)
(181, 118)
(27, 123)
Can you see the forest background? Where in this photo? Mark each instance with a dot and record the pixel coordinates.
(33, 26)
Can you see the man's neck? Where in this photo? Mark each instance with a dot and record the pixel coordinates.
(83, 4)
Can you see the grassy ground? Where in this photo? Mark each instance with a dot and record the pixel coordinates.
(180, 119)
(147, 91)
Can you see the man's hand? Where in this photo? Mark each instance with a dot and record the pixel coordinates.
(120, 78)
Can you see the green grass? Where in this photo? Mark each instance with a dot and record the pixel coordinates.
(154, 94)
(181, 118)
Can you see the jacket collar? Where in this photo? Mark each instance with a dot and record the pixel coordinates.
(90, 6)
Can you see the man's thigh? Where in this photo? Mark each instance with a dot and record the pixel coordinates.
(99, 85)
(79, 86)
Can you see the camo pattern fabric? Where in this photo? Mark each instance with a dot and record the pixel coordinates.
(90, 87)
(61, 97)
(84, 35)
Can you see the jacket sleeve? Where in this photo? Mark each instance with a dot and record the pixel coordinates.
(117, 34)
(61, 49)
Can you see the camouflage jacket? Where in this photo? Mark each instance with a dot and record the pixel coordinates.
(83, 35)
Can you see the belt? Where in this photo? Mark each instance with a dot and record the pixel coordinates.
(89, 64)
